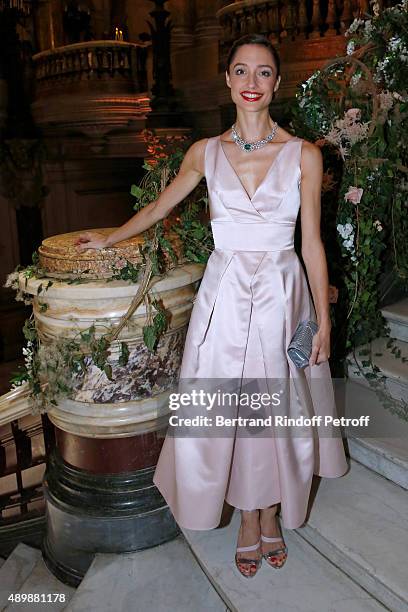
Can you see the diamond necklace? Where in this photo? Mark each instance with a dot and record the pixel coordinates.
(251, 146)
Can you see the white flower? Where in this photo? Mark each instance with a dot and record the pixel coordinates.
(354, 26)
(377, 225)
(346, 231)
(368, 28)
(394, 43)
(355, 78)
(12, 280)
(351, 47)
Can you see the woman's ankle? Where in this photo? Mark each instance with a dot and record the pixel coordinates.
(269, 511)
(250, 516)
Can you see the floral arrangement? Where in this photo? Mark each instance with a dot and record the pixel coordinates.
(54, 368)
(355, 109)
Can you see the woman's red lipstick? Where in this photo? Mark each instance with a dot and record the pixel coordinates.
(251, 96)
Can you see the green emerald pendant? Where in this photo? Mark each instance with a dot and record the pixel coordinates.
(247, 147)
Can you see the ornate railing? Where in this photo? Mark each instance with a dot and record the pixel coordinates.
(289, 19)
(99, 60)
(94, 87)
(26, 440)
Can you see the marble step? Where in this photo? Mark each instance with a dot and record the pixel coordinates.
(162, 579)
(383, 445)
(41, 581)
(392, 367)
(389, 458)
(397, 318)
(360, 523)
(307, 583)
(15, 570)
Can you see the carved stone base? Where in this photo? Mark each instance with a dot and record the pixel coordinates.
(91, 513)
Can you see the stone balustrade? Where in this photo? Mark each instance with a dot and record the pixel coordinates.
(97, 60)
(91, 87)
(289, 19)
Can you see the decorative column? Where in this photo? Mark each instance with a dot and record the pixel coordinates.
(207, 27)
(165, 107)
(109, 431)
(182, 32)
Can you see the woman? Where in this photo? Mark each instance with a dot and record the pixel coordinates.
(251, 298)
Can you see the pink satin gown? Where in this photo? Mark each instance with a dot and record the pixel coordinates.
(251, 298)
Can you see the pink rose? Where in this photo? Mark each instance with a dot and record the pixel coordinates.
(354, 195)
(120, 264)
(353, 113)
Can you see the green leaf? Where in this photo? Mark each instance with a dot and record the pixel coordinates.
(160, 322)
(136, 191)
(29, 330)
(108, 370)
(124, 354)
(149, 336)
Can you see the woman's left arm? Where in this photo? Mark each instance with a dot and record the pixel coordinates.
(313, 252)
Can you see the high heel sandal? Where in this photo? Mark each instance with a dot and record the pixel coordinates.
(271, 557)
(250, 562)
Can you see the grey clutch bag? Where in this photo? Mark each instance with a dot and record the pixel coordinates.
(300, 347)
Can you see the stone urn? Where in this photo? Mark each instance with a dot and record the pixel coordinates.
(98, 483)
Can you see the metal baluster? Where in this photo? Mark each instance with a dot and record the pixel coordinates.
(24, 459)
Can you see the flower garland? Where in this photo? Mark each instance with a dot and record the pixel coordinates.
(355, 108)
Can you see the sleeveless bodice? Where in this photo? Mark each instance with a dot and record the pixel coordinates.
(264, 222)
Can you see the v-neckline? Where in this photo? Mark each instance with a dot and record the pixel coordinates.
(251, 199)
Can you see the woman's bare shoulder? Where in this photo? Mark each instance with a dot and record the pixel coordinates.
(195, 155)
(310, 151)
(311, 161)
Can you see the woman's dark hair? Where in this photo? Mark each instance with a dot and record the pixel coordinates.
(253, 39)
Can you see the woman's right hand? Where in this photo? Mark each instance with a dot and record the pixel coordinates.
(91, 240)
